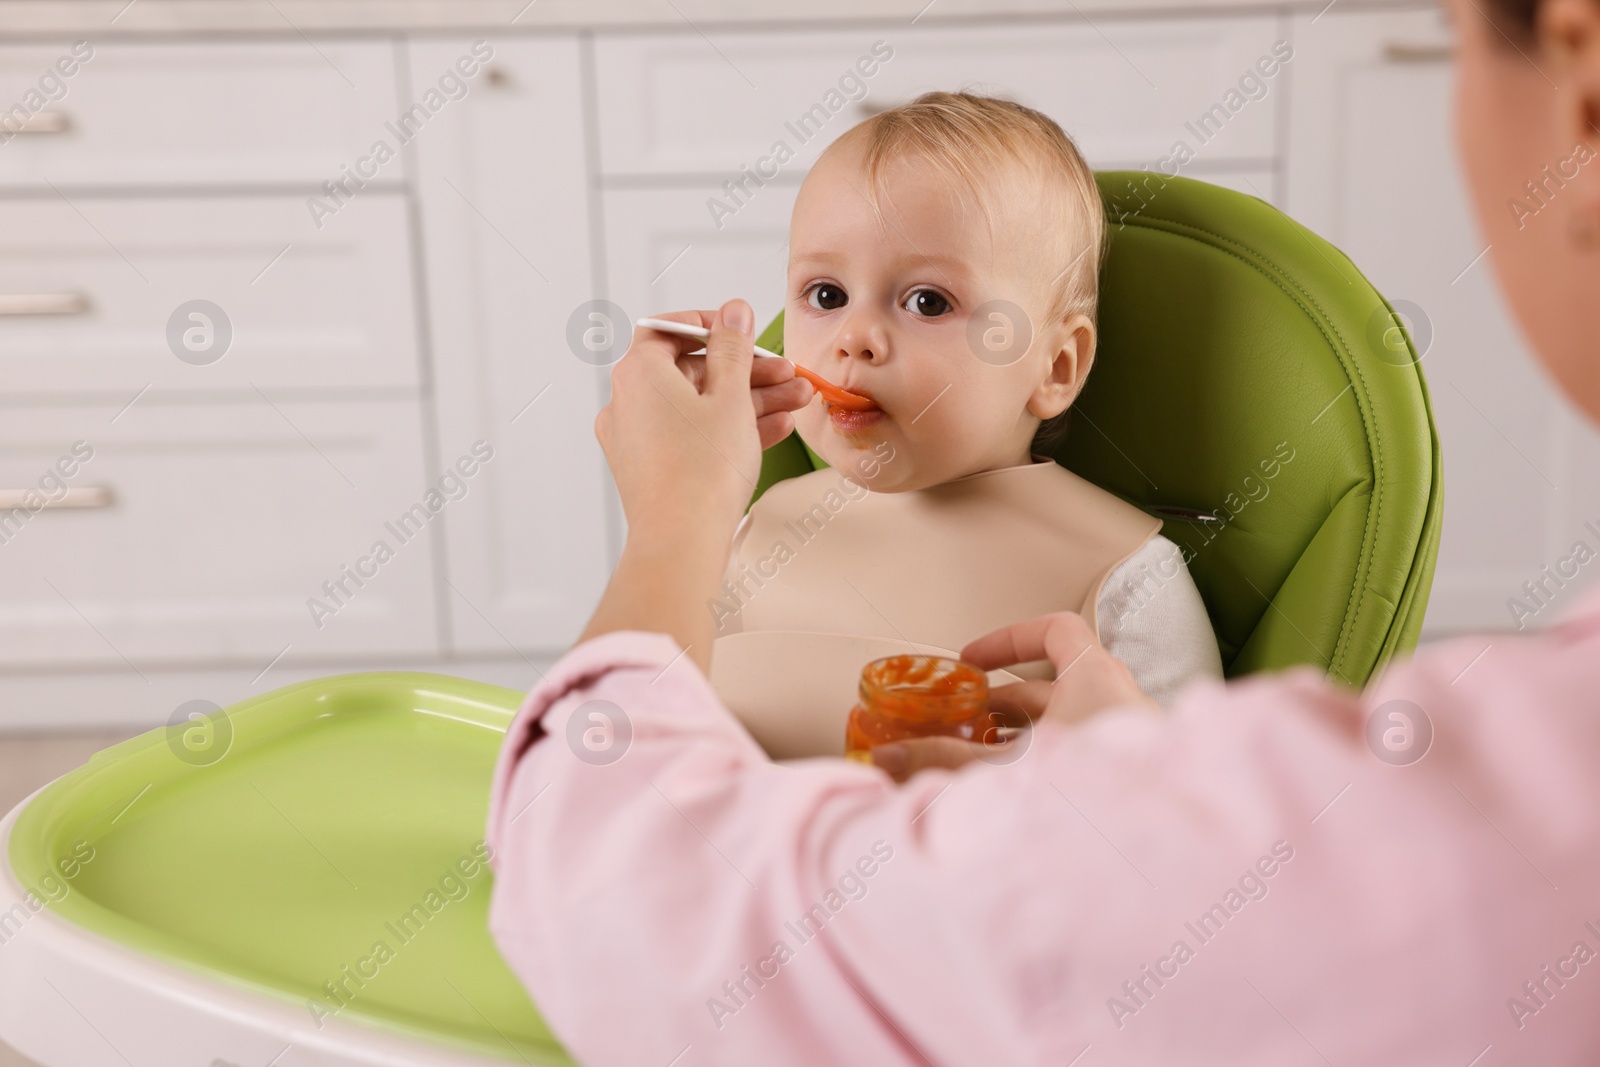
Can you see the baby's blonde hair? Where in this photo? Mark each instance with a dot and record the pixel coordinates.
(973, 137)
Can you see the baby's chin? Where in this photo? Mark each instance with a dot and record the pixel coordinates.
(841, 439)
(860, 454)
(871, 458)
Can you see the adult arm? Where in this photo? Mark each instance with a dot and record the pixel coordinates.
(1239, 881)
(683, 437)
(1359, 912)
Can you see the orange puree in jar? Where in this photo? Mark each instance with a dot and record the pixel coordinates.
(910, 696)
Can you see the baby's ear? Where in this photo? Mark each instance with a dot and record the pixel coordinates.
(1071, 346)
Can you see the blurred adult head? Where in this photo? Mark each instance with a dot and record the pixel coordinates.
(1527, 111)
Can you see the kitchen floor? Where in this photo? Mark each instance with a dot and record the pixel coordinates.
(28, 761)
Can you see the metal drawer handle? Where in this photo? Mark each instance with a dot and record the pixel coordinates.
(16, 304)
(45, 122)
(89, 496)
(1401, 52)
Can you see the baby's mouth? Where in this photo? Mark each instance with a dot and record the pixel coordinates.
(853, 420)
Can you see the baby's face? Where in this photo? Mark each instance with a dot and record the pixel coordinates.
(887, 309)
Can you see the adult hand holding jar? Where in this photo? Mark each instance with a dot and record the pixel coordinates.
(1088, 679)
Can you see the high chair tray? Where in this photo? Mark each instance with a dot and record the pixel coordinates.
(301, 876)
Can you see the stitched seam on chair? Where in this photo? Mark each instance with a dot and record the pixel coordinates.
(1357, 598)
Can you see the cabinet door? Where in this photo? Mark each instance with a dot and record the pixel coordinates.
(665, 254)
(182, 534)
(1372, 165)
(505, 211)
(1125, 89)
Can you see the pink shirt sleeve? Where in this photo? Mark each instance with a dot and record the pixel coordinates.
(1242, 880)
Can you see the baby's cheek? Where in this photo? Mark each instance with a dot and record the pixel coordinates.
(939, 441)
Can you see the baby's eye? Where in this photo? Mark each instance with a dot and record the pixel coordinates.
(927, 303)
(826, 297)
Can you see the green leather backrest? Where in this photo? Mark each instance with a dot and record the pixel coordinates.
(1247, 371)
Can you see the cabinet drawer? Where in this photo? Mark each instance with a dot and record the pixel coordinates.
(202, 531)
(1125, 90)
(91, 292)
(190, 114)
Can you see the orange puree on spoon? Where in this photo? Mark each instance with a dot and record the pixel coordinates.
(833, 394)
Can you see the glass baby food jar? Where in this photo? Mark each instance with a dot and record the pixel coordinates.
(910, 696)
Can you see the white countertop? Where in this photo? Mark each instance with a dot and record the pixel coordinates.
(99, 19)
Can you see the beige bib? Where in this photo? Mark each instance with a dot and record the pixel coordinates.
(823, 568)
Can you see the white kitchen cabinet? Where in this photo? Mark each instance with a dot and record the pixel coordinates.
(204, 531)
(678, 119)
(1372, 166)
(683, 103)
(98, 295)
(665, 253)
(506, 223)
(196, 113)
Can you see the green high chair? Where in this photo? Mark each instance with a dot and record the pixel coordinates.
(1255, 392)
(220, 885)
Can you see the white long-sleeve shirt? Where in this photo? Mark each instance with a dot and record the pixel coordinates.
(1151, 617)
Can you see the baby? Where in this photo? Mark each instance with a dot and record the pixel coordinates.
(944, 262)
